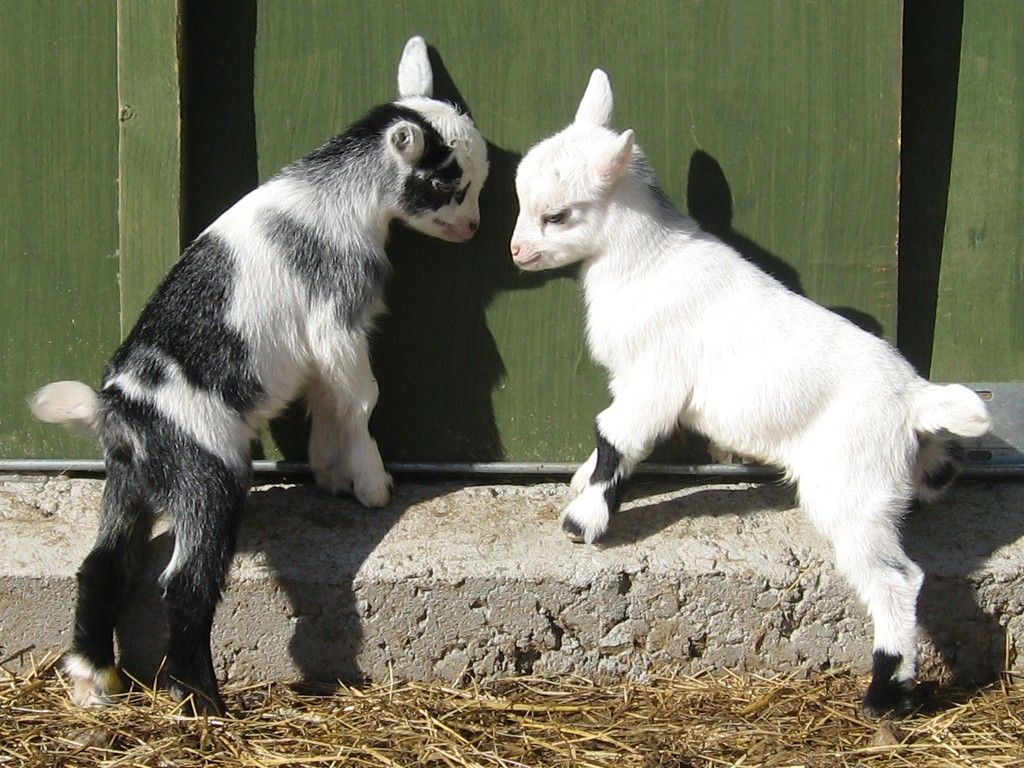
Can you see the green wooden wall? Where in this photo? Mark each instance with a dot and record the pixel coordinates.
(59, 306)
(784, 115)
(777, 125)
(979, 319)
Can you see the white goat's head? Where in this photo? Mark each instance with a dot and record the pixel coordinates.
(442, 156)
(564, 183)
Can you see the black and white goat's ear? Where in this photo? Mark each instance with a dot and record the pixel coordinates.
(596, 105)
(405, 140)
(613, 166)
(415, 77)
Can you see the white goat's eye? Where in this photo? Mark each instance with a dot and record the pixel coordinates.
(442, 186)
(555, 217)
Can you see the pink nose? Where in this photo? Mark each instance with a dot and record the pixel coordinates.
(515, 249)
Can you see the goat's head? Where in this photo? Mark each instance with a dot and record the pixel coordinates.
(440, 154)
(565, 181)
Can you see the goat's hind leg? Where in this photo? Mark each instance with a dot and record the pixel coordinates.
(937, 466)
(870, 556)
(206, 506)
(104, 580)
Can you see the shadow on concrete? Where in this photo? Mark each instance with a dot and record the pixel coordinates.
(970, 640)
(950, 546)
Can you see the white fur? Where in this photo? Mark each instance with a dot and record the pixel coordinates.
(693, 334)
(66, 402)
(91, 687)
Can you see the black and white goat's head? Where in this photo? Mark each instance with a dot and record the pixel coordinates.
(564, 184)
(441, 156)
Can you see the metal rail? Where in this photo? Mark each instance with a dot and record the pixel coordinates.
(492, 469)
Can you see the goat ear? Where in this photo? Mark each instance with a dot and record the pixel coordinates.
(596, 105)
(614, 166)
(415, 77)
(405, 140)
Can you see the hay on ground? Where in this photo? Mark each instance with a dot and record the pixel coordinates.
(708, 720)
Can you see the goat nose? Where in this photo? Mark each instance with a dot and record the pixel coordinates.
(515, 249)
(473, 225)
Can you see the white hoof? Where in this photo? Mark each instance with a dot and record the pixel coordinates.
(91, 687)
(373, 491)
(586, 517)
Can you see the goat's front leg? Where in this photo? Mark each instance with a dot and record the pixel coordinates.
(626, 432)
(342, 453)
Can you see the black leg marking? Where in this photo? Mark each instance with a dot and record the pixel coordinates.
(107, 573)
(885, 694)
(607, 470)
(607, 473)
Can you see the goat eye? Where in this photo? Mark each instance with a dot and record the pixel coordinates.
(557, 217)
(444, 187)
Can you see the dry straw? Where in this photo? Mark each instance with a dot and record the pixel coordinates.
(708, 720)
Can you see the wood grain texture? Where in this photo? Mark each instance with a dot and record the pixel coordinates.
(58, 210)
(979, 323)
(776, 124)
(150, 147)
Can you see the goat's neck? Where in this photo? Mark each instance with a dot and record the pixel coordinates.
(357, 202)
(637, 231)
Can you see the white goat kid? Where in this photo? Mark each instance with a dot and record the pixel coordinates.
(692, 334)
(275, 298)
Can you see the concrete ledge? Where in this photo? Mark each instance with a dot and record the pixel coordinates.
(454, 580)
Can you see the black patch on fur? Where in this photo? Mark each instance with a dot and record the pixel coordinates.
(573, 530)
(185, 321)
(355, 279)
(886, 694)
(897, 565)
(606, 470)
(943, 475)
(365, 138)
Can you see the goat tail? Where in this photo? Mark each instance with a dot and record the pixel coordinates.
(67, 402)
(953, 408)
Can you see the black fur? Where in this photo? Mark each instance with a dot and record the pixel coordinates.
(356, 280)
(365, 136)
(942, 476)
(886, 694)
(152, 467)
(607, 470)
(184, 320)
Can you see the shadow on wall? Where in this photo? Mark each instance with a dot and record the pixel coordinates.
(433, 354)
(709, 201)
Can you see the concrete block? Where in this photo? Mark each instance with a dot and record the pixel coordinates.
(455, 581)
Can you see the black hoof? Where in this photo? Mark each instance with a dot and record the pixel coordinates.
(891, 698)
(573, 530)
(197, 703)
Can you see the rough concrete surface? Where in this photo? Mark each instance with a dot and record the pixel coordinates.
(454, 581)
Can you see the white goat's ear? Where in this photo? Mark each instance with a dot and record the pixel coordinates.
(596, 105)
(614, 166)
(415, 77)
(405, 140)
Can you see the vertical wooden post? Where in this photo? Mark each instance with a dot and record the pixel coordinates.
(150, 147)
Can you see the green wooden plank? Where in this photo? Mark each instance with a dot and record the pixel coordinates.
(979, 324)
(149, 93)
(778, 123)
(58, 210)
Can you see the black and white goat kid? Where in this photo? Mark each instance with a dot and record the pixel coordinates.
(274, 299)
(693, 334)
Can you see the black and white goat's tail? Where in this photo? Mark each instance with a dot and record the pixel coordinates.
(943, 410)
(67, 402)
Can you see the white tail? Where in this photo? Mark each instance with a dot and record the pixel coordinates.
(954, 408)
(66, 402)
